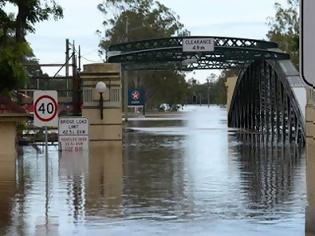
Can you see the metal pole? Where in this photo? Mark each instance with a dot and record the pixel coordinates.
(67, 66)
(79, 69)
(125, 79)
(208, 93)
(46, 145)
(127, 28)
(101, 105)
(46, 175)
(75, 84)
(125, 94)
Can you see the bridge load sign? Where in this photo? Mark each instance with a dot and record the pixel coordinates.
(198, 44)
(73, 134)
(45, 105)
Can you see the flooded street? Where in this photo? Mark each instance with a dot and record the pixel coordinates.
(180, 174)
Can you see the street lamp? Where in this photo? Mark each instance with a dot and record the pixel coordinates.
(100, 88)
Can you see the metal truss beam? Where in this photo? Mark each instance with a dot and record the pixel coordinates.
(263, 103)
(178, 41)
(167, 54)
(264, 106)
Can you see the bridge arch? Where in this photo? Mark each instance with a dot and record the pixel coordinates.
(269, 97)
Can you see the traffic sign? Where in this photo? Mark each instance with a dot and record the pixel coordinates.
(198, 45)
(136, 97)
(45, 105)
(307, 42)
(74, 134)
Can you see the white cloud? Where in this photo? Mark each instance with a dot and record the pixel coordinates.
(242, 18)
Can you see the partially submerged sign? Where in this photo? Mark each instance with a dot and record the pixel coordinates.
(74, 134)
(198, 45)
(307, 40)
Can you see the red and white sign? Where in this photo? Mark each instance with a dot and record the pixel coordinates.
(307, 42)
(45, 105)
(74, 143)
(73, 134)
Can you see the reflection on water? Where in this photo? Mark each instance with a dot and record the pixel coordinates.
(105, 183)
(188, 175)
(310, 209)
(8, 189)
(273, 180)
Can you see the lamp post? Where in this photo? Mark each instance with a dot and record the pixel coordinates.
(100, 88)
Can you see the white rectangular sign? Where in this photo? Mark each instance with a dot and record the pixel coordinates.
(198, 45)
(74, 143)
(74, 134)
(45, 105)
(307, 42)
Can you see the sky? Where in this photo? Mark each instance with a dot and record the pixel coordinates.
(233, 18)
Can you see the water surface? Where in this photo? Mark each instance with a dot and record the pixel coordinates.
(184, 174)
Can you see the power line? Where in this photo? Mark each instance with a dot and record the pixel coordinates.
(90, 60)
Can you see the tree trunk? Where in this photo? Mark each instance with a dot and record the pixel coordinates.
(21, 20)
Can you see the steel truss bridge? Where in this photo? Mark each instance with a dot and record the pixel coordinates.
(269, 98)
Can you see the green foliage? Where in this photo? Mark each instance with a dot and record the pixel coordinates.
(12, 71)
(14, 50)
(163, 87)
(284, 28)
(31, 12)
(131, 20)
(214, 88)
(137, 20)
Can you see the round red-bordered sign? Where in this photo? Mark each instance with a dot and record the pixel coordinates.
(54, 113)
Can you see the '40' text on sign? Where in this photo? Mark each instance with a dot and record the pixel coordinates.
(45, 105)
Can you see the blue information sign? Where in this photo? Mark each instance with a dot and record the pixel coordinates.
(136, 97)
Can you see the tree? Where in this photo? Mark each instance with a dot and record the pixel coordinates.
(30, 12)
(215, 89)
(140, 20)
(284, 28)
(12, 71)
(137, 20)
(14, 50)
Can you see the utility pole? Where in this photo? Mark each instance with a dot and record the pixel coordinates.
(79, 63)
(124, 75)
(75, 83)
(127, 28)
(67, 66)
(208, 92)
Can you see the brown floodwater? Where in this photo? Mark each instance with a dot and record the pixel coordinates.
(182, 174)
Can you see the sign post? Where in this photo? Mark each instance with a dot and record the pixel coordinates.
(45, 105)
(307, 40)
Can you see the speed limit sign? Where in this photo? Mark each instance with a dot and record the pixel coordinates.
(45, 105)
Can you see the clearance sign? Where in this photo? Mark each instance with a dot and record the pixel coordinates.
(198, 45)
